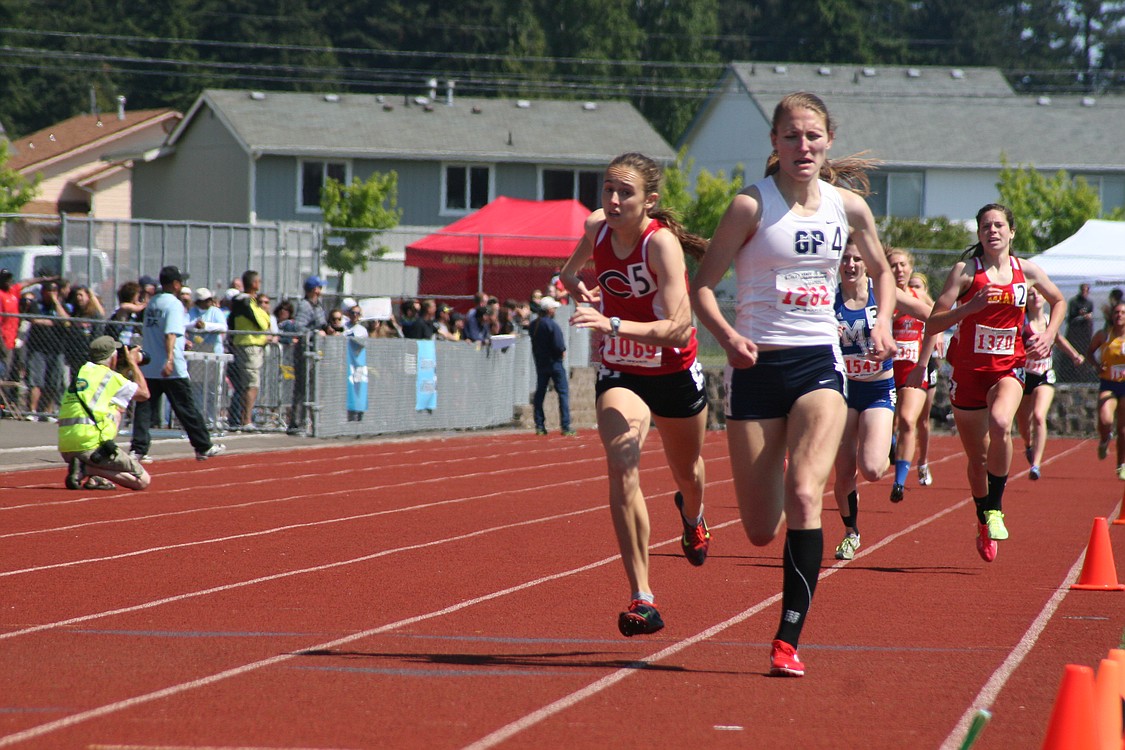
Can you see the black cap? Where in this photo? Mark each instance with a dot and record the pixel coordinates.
(168, 274)
(5, 275)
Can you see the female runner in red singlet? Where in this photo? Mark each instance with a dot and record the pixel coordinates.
(648, 369)
(909, 332)
(988, 355)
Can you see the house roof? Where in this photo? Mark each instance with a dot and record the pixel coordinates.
(376, 126)
(80, 133)
(944, 117)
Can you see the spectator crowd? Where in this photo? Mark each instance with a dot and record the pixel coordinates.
(47, 325)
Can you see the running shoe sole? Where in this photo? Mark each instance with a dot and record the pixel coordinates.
(641, 618)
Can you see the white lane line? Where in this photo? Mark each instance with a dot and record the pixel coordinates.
(568, 701)
(995, 684)
(110, 708)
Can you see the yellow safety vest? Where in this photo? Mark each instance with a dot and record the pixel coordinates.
(96, 385)
(261, 322)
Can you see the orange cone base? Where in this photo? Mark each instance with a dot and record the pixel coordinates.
(1099, 573)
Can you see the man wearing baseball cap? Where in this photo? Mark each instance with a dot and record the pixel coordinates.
(91, 414)
(166, 372)
(309, 320)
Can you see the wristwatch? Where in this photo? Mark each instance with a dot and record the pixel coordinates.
(614, 324)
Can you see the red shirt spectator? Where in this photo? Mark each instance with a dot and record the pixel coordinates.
(9, 304)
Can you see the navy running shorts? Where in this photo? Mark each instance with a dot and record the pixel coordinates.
(1113, 386)
(872, 394)
(769, 389)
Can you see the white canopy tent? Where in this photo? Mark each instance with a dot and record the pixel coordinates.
(1093, 255)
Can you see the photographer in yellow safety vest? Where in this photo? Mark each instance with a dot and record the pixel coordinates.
(91, 413)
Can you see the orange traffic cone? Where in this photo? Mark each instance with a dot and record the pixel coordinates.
(1107, 688)
(1072, 725)
(1099, 573)
(1118, 655)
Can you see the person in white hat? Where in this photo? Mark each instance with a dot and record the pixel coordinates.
(206, 322)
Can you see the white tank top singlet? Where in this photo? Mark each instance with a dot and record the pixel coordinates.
(789, 270)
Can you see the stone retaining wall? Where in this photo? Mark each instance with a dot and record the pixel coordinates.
(1073, 412)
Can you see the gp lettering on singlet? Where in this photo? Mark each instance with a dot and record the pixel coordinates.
(636, 281)
(997, 341)
(813, 242)
(619, 351)
(803, 290)
(907, 351)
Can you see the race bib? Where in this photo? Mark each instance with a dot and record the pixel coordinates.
(803, 291)
(619, 351)
(907, 351)
(1038, 366)
(994, 341)
(860, 367)
(1117, 373)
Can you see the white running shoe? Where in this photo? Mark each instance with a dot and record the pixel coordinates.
(214, 450)
(925, 478)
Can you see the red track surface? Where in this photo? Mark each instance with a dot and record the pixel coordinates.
(464, 593)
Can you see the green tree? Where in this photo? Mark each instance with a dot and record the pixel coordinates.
(934, 233)
(15, 189)
(1047, 211)
(349, 210)
(699, 210)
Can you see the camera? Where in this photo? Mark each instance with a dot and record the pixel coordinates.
(123, 359)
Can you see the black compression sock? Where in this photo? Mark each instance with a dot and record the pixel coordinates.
(982, 506)
(800, 563)
(853, 510)
(996, 491)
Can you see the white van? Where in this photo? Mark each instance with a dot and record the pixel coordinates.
(83, 266)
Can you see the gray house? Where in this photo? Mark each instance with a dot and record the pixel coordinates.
(250, 156)
(939, 132)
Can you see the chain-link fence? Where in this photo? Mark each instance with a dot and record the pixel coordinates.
(297, 383)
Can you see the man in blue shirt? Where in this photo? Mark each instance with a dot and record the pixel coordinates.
(166, 372)
(548, 347)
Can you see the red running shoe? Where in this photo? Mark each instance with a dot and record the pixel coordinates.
(986, 545)
(640, 619)
(784, 661)
(696, 539)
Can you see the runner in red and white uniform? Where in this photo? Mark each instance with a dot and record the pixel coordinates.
(909, 332)
(648, 370)
(1039, 384)
(785, 381)
(989, 289)
(919, 283)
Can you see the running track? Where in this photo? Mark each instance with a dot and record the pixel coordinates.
(463, 593)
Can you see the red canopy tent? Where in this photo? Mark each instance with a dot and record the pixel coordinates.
(507, 249)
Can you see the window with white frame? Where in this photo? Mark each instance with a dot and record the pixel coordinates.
(583, 185)
(313, 175)
(466, 187)
(896, 193)
(1110, 189)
